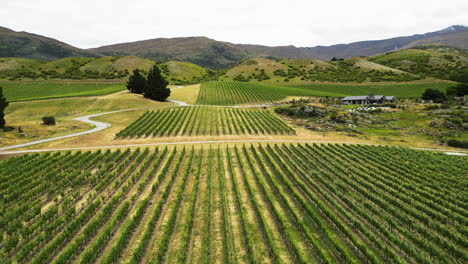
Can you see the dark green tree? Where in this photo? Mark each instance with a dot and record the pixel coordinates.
(3, 105)
(156, 85)
(434, 95)
(136, 83)
(459, 90)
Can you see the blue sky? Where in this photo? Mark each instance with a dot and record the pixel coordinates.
(93, 23)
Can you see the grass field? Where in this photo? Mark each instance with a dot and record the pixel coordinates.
(23, 91)
(235, 204)
(195, 121)
(232, 93)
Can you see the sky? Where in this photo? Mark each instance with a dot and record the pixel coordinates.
(302, 23)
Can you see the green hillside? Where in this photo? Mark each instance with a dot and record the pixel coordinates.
(9, 66)
(23, 91)
(179, 72)
(289, 70)
(63, 65)
(109, 67)
(429, 61)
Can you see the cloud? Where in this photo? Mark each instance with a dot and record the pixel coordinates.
(91, 23)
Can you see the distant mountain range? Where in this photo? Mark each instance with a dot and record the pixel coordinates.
(215, 54)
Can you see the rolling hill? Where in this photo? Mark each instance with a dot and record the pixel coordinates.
(108, 67)
(32, 46)
(357, 69)
(198, 50)
(428, 60)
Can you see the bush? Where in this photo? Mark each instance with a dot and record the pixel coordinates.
(8, 128)
(433, 94)
(48, 120)
(457, 143)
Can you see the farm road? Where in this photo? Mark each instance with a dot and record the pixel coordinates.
(98, 127)
(101, 125)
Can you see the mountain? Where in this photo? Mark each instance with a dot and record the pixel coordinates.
(199, 50)
(32, 46)
(215, 54)
(219, 55)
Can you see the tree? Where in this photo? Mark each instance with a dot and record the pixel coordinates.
(136, 83)
(434, 95)
(48, 120)
(459, 90)
(3, 105)
(156, 85)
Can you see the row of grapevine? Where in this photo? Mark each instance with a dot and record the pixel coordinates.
(212, 121)
(239, 93)
(287, 203)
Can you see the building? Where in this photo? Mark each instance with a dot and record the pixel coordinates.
(368, 99)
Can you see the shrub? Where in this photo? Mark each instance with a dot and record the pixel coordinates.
(433, 94)
(457, 143)
(48, 120)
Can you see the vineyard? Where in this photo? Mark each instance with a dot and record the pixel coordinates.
(212, 121)
(234, 93)
(400, 90)
(266, 203)
(23, 91)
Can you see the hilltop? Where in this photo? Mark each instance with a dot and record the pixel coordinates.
(32, 46)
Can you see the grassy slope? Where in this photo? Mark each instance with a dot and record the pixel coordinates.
(313, 69)
(12, 64)
(253, 65)
(22, 91)
(429, 60)
(61, 65)
(103, 64)
(184, 70)
(131, 63)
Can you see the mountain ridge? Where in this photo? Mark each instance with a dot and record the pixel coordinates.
(215, 54)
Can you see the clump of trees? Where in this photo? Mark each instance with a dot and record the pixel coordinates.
(438, 96)
(459, 90)
(154, 86)
(433, 94)
(3, 105)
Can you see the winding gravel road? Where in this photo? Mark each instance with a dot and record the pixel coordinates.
(98, 127)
